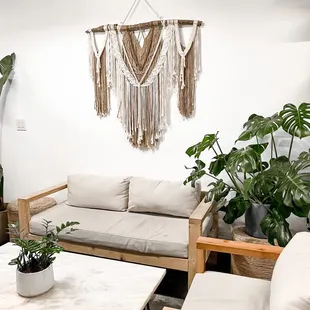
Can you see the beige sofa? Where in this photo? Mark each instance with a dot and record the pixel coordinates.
(287, 290)
(132, 219)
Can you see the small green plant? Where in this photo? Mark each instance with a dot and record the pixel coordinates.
(281, 182)
(37, 255)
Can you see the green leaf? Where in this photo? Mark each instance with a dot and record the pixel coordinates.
(293, 185)
(258, 148)
(250, 128)
(260, 126)
(296, 121)
(246, 188)
(218, 164)
(275, 227)
(197, 173)
(268, 125)
(235, 208)
(206, 143)
(243, 160)
(6, 67)
(303, 161)
(217, 191)
(263, 186)
(302, 211)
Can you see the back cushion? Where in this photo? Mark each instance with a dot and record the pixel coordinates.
(290, 279)
(163, 197)
(99, 192)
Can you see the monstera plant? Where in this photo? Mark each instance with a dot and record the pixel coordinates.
(280, 184)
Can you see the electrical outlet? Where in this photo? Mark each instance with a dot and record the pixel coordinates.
(21, 125)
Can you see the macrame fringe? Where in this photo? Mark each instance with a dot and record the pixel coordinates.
(143, 79)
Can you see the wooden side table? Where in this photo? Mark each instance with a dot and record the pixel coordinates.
(260, 268)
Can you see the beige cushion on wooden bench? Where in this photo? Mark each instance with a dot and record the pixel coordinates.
(146, 233)
(99, 192)
(163, 197)
(220, 291)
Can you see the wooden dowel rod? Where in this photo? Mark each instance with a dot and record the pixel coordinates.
(146, 25)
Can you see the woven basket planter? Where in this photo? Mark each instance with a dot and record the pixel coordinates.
(36, 207)
(253, 267)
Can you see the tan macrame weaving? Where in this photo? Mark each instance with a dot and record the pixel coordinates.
(144, 77)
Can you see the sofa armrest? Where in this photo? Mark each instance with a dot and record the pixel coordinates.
(195, 231)
(24, 207)
(46, 192)
(200, 213)
(233, 247)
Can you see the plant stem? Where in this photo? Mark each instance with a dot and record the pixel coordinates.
(260, 158)
(291, 146)
(218, 145)
(236, 176)
(214, 150)
(274, 144)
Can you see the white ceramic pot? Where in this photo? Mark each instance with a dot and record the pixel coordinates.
(34, 284)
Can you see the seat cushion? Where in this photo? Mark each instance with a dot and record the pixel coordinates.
(221, 291)
(146, 233)
(289, 283)
(95, 191)
(163, 197)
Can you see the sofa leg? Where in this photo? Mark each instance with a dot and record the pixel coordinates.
(195, 231)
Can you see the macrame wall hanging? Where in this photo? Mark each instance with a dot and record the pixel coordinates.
(143, 77)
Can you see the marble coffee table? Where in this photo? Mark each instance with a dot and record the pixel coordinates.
(83, 282)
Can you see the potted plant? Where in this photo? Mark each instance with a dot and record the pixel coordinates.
(267, 191)
(34, 273)
(6, 67)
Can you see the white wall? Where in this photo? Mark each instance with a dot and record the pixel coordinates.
(256, 57)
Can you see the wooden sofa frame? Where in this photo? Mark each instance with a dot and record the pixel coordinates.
(184, 264)
(207, 245)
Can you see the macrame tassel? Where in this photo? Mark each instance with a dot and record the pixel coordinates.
(102, 91)
(187, 91)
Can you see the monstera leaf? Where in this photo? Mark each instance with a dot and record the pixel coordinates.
(218, 191)
(250, 127)
(263, 186)
(275, 227)
(296, 121)
(268, 125)
(197, 173)
(206, 143)
(245, 159)
(219, 163)
(260, 126)
(235, 208)
(294, 187)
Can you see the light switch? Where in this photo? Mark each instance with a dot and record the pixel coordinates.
(21, 125)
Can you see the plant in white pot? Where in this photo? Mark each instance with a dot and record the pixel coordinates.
(34, 273)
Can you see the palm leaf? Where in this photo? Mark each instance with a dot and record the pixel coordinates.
(296, 121)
